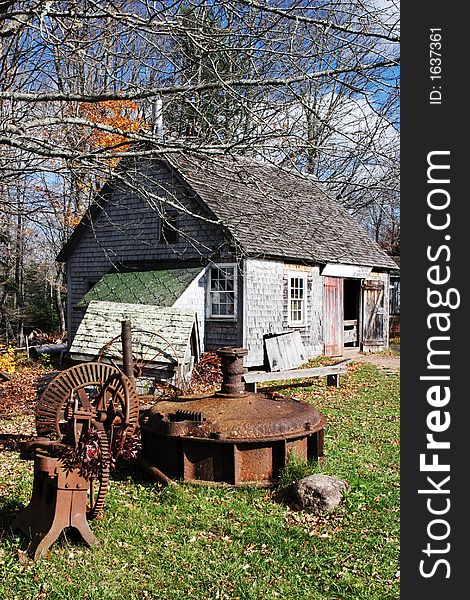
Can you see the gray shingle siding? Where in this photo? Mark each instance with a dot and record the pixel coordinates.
(312, 333)
(127, 230)
(221, 333)
(266, 306)
(263, 305)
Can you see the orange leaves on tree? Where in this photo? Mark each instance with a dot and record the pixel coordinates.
(115, 114)
(70, 219)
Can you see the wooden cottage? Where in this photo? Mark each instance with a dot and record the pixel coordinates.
(255, 251)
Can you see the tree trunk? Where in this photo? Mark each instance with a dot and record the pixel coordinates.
(58, 283)
(19, 268)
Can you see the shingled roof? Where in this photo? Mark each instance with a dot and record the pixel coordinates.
(273, 212)
(269, 211)
(161, 287)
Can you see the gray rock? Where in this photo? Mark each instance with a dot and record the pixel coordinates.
(319, 493)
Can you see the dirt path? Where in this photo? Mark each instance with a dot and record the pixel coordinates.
(389, 363)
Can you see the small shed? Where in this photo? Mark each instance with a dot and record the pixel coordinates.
(165, 340)
(254, 249)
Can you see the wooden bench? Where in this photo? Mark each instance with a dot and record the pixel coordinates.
(332, 373)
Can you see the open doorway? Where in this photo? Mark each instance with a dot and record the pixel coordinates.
(351, 312)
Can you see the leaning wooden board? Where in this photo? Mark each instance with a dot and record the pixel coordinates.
(285, 351)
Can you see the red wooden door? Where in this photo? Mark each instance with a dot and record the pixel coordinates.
(333, 321)
(373, 334)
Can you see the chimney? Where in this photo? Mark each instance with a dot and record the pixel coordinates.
(157, 117)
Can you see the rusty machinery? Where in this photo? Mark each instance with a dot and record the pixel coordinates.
(231, 436)
(83, 419)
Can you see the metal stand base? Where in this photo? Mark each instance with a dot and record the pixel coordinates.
(58, 501)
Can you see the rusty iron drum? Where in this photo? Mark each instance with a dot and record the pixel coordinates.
(232, 436)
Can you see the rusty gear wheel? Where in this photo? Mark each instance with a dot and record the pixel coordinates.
(101, 395)
(97, 387)
(98, 487)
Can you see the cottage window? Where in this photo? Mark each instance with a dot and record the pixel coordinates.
(223, 291)
(297, 296)
(169, 228)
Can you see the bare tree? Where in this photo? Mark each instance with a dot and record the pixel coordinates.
(310, 86)
(252, 53)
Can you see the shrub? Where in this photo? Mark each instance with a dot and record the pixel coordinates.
(8, 359)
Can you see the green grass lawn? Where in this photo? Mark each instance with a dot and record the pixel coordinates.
(206, 542)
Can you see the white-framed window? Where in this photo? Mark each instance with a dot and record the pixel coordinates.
(222, 291)
(297, 305)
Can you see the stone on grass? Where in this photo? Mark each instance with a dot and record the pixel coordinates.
(319, 493)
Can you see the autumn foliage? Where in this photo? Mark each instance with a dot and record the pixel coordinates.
(7, 359)
(113, 114)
